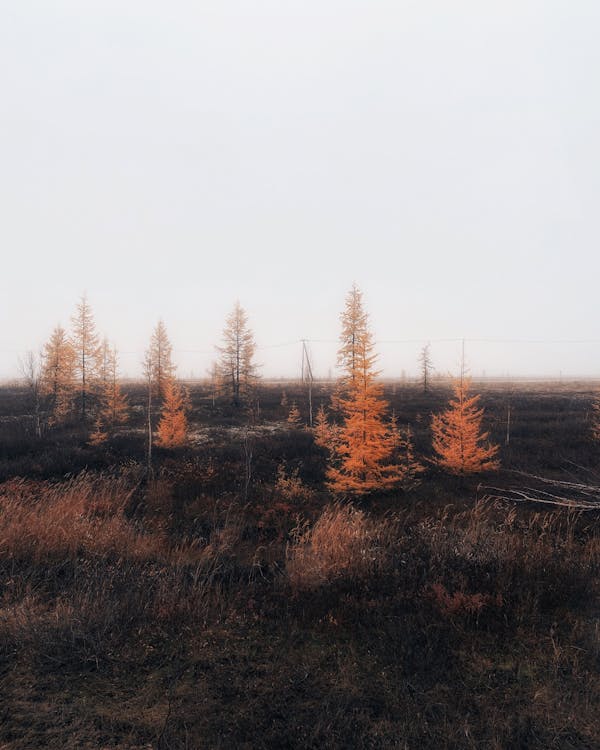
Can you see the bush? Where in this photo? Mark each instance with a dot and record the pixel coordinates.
(343, 542)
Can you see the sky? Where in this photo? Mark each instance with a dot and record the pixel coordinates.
(169, 159)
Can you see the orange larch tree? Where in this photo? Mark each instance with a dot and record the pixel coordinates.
(361, 457)
(323, 431)
(404, 454)
(113, 409)
(58, 375)
(172, 428)
(458, 440)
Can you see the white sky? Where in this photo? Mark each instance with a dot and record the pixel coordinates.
(171, 157)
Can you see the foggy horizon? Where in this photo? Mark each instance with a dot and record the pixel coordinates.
(170, 160)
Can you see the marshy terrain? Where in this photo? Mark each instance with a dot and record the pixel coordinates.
(228, 600)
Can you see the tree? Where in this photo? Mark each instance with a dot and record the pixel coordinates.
(294, 419)
(361, 457)
(31, 369)
(172, 428)
(147, 365)
(323, 431)
(238, 371)
(356, 341)
(85, 343)
(458, 441)
(404, 454)
(58, 375)
(214, 374)
(159, 355)
(426, 367)
(113, 402)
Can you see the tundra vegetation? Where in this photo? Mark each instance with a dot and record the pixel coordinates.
(262, 584)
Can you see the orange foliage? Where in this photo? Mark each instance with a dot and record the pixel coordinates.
(362, 455)
(58, 375)
(324, 432)
(113, 402)
(404, 454)
(457, 437)
(172, 428)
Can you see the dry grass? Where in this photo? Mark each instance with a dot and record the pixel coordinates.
(42, 521)
(343, 543)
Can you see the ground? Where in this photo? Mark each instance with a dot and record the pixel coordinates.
(200, 607)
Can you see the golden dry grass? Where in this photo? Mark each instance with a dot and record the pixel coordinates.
(343, 542)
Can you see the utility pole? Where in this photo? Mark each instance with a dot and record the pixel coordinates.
(307, 377)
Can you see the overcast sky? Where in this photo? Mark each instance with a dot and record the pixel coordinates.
(168, 158)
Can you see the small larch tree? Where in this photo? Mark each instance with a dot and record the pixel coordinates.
(404, 453)
(237, 366)
(214, 378)
(86, 345)
(460, 445)
(172, 427)
(31, 369)
(323, 431)
(294, 418)
(361, 457)
(58, 375)
(113, 409)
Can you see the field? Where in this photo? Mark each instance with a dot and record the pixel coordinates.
(226, 601)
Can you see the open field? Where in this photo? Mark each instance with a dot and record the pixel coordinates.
(228, 602)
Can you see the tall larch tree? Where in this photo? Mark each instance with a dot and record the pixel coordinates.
(58, 375)
(460, 445)
(86, 345)
(172, 427)
(160, 357)
(237, 366)
(362, 455)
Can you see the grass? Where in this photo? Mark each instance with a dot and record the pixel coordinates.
(191, 611)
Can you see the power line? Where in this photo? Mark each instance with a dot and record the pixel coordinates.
(424, 340)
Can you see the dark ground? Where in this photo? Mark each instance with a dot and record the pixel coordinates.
(166, 613)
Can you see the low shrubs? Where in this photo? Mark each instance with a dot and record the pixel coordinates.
(344, 542)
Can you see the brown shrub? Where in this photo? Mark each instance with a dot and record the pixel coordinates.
(41, 520)
(290, 486)
(462, 602)
(343, 542)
